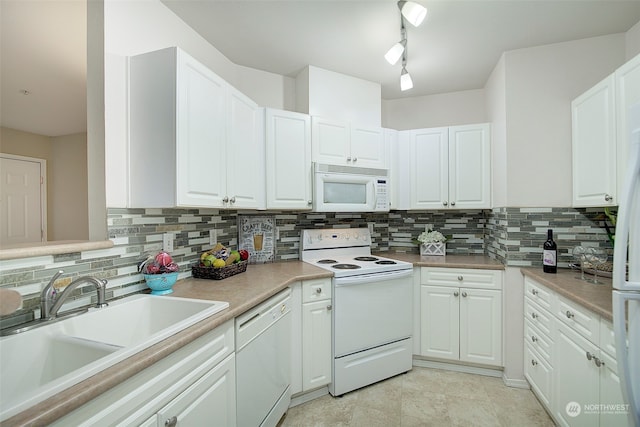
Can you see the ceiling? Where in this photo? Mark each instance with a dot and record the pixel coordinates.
(43, 44)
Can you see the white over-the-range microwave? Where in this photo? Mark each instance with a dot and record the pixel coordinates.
(350, 189)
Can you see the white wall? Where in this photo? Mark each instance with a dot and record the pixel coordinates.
(632, 41)
(267, 89)
(496, 100)
(338, 96)
(541, 82)
(455, 108)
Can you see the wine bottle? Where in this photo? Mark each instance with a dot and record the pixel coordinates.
(550, 254)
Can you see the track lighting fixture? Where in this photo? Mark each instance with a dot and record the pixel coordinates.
(414, 13)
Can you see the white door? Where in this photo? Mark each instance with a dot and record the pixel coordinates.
(469, 167)
(330, 141)
(245, 153)
(316, 344)
(368, 147)
(611, 393)
(429, 176)
(481, 326)
(593, 144)
(200, 147)
(288, 156)
(576, 378)
(440, 322)
(627, 83)
(22, 200)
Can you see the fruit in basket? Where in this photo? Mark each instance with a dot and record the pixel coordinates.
(163, 259)
(244, 254)
(219, 263)
(220, 256)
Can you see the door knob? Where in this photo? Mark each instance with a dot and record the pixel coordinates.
(464, 294)
(607, 198)
(445, 203)
(171, 422)
(455, 294)
(225, 200)
(569, 314)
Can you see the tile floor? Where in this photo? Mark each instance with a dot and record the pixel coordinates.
(425, 397)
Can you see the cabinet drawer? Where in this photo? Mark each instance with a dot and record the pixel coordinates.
(538, 317)
(316, 290)
(538, 341)
(538, 373)
(538, 293)
(461, 277)
(580, 319)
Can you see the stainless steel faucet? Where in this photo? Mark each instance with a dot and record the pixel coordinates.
(50, 302)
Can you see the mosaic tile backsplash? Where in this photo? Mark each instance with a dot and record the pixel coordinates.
(513, 236)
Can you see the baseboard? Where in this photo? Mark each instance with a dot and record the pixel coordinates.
(305, 397)
(468, 369)
(515, 383)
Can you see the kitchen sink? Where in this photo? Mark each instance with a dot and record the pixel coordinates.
(41, 362)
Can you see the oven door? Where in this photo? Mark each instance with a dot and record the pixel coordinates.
(372, 310)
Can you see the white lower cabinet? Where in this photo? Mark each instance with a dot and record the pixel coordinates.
(464, 322)
(195, 385)
(569, 360)
(311, 363)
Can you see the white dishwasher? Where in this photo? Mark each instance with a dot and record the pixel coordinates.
(263, 361)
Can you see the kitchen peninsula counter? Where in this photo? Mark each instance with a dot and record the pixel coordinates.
(567, 283)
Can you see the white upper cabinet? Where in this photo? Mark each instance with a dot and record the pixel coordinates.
(194, 139)
(288, 160)
(449, 168)
(338, 142)
(593, 142)
(600, 136)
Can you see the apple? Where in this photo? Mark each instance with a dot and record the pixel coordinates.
(244, 254)
(163, 259)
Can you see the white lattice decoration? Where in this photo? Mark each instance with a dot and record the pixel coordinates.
(433, 249)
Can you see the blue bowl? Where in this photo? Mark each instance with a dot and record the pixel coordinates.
(161, 284)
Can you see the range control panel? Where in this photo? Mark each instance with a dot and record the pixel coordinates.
(329, 238)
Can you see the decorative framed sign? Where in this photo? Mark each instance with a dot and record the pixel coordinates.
(256, 234)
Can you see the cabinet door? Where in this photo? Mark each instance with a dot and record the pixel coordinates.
(212, 397)
(481, 326)
(288, 154)
(627, 82)
(611, 399)
(330, 141)
(316, 344)
(576, 379)
(469, 167)
(593, 143)
(539, 374)
(245, 165)
(428, 166)
(440, 322)
(200, 147)
(368, 147)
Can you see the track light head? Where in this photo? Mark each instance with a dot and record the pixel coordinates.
(413, 12)
(405, 80)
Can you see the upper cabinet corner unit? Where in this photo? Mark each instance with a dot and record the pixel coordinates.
(338, 142)
(449, 168)
(195, 141)
(600, 136)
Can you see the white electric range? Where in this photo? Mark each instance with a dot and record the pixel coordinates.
(372, 307)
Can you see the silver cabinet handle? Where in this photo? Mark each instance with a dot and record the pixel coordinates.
(348, 159)
(534, 291)
(453, 203)
(171, 422)
(233, 199)
(464, 294)
(455, 294)
(329, 307)
(598, 362)
(534, 338)
(569, 314)
(534, 315)
(607, 198)
(355, 159)
(445, 203)
(589, 356)
(460, 278)
(318, 291)
(309, 202)
(533, 362)
(225, 200)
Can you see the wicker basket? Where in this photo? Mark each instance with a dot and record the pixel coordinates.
(200, 272)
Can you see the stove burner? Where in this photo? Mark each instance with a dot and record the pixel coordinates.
(385, 262)
(365, 258)
(346, 266)
(327, 261)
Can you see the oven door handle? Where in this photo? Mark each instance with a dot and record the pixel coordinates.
(371, 278)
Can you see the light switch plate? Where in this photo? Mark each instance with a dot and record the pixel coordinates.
(370, 225)
(213, 236)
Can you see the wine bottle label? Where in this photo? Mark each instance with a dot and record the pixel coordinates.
(549, 257)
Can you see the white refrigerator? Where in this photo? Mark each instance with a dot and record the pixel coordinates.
(626, 290)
